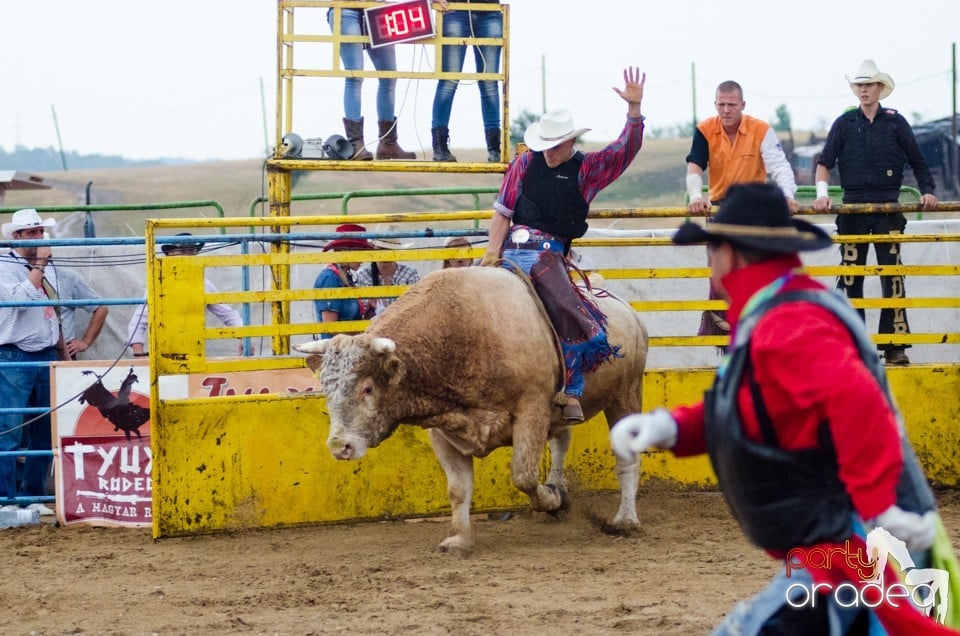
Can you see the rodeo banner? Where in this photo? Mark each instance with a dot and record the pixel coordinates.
(102, 456)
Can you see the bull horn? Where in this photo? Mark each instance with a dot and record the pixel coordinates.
(383, 345)
(314, 346)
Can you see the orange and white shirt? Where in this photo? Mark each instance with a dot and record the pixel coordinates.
(755, 152)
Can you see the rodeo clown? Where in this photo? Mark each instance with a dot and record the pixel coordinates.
(802, 432)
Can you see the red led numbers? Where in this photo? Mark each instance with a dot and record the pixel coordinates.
(398, 22)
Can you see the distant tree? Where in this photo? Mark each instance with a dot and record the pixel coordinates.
(783, 119)
(656, 132)
(685, 129)
(916, 118)
(783, 125)
(520, 124)
(48, 160)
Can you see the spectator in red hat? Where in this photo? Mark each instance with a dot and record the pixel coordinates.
(341, 274)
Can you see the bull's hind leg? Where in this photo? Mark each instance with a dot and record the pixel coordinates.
(459, 470)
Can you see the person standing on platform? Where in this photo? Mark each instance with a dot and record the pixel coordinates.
(469, 24)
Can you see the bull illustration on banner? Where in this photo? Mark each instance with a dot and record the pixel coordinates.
(117, 409)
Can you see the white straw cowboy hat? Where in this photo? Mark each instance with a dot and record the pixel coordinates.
(389, 243)
(553, 129)
(868, 74)
(25, 220)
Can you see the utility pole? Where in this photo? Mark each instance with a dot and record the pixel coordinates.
(693, 86)
(953, 124)
(263, 109)
(56, 126)
(543, 82)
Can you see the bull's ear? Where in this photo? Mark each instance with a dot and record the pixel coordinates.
(314, 361)
(394, 369)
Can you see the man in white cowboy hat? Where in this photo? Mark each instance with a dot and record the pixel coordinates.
(871, 144)
(784, 425)
(385, 273)
(28, 334)
(543, 204)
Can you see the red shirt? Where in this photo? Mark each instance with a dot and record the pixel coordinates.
(809, 371)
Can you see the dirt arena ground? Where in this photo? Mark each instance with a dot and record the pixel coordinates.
(529, 574)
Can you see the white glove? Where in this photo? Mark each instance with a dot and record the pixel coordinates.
(918, 532)
(636, 433)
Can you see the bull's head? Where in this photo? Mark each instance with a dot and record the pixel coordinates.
(357, 376)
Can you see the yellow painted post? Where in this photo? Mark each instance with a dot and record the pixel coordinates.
(279, 188)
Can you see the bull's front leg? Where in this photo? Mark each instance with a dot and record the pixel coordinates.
(459, 470)
(528, 443)
(559, 445)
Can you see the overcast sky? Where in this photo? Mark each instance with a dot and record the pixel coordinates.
(182, 78)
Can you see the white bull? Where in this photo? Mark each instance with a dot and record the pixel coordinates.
(469, 354)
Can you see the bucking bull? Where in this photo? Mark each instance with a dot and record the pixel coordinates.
(469, 354)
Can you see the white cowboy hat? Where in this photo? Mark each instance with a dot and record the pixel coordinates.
(868, 74)
(389, 243)
(553, 129)
(24, 220)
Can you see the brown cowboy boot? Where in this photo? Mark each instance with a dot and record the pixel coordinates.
(354, 130)
(388, 147)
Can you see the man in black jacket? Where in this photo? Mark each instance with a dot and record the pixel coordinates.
(871, 145)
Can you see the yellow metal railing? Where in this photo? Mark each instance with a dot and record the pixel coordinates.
(175, 284)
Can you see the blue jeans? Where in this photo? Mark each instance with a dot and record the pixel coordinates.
(480, 24)
(22, 387)
(384, 59)
(524, 259)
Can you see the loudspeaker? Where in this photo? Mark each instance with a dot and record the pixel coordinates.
(292, 145)
(336, 147)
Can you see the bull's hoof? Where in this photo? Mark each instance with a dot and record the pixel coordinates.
(455, 545)
(556, 513)
(615, 528)
(625, 523)
(565, 501)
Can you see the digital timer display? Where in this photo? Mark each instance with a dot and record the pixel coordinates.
(397, 22)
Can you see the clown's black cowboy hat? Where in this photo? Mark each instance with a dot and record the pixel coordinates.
(166, 248)
(756, 216)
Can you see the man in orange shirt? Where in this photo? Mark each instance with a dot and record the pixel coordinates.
(735, 148)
